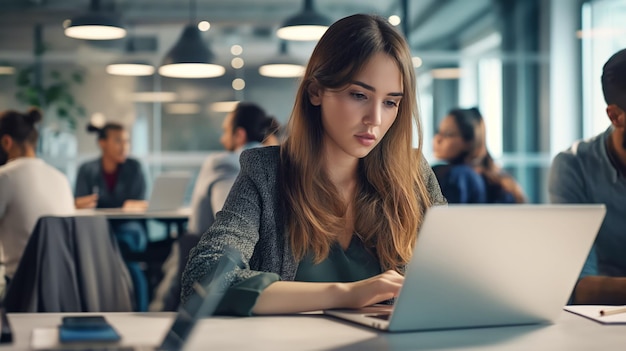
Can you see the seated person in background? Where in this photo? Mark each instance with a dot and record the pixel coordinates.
(244, 128)
(329, 218)
(116, 181)
(29, 188)
(594, 171)
(470, 174)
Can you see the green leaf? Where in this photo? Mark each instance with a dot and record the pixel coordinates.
(53, 93)
(24, 77)
(55, 74)
(77, 77)
(32, 97)
(62, 113)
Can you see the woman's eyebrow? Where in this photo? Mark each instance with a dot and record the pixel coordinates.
(372, 89)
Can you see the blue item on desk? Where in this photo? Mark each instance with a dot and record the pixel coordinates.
(207, 295)
(87, 328)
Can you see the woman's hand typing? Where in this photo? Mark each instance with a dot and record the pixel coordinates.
(294, 297)
(373, 290)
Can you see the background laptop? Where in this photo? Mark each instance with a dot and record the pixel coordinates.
(491, 265)
(168, 192)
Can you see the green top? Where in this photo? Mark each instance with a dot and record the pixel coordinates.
(355, 263)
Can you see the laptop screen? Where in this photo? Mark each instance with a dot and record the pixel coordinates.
(203, 302)
(168, 191)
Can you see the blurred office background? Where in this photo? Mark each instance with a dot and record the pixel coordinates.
(532, 67)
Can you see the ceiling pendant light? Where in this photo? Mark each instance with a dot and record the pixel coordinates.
(190, 57)
(283, 65)
(306, 25)
(95, 25)
(136, 69)
(132, 68)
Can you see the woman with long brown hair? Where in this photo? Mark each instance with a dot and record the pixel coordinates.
(329, 219)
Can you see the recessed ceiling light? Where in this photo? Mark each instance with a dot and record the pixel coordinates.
(239, 84)
(446, 73)
(154, 96)
(394, 20)
(182, 108)
(224, 106)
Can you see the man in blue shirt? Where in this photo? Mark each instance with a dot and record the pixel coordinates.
(594, 171)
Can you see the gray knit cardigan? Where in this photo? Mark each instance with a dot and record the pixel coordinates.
(253, 221)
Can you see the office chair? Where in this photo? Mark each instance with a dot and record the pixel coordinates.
(70, 264)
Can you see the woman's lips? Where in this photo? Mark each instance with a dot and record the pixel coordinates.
(366, 139)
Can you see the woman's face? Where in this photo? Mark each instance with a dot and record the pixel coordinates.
(448, 142)
(116, 146)
(357, 117)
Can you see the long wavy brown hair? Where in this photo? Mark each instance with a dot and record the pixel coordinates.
(391, 195)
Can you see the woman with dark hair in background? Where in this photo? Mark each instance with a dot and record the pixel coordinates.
(116, 181)
(29, 188)
(470, 175)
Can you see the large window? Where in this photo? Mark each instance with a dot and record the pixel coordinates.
(603, 34)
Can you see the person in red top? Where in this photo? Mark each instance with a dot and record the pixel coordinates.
(115, 180)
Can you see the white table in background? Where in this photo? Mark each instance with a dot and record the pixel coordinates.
(177, 217)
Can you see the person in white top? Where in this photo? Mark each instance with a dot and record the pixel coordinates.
(29, 188)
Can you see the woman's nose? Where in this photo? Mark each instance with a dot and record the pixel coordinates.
(374, 116)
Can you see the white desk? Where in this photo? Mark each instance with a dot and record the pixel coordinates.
(118, 213)
(176, 217)
(316, 332)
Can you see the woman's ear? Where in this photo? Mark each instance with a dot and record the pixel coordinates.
(315, 94)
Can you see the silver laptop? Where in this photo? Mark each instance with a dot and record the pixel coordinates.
(168, 192)
(489, 265)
